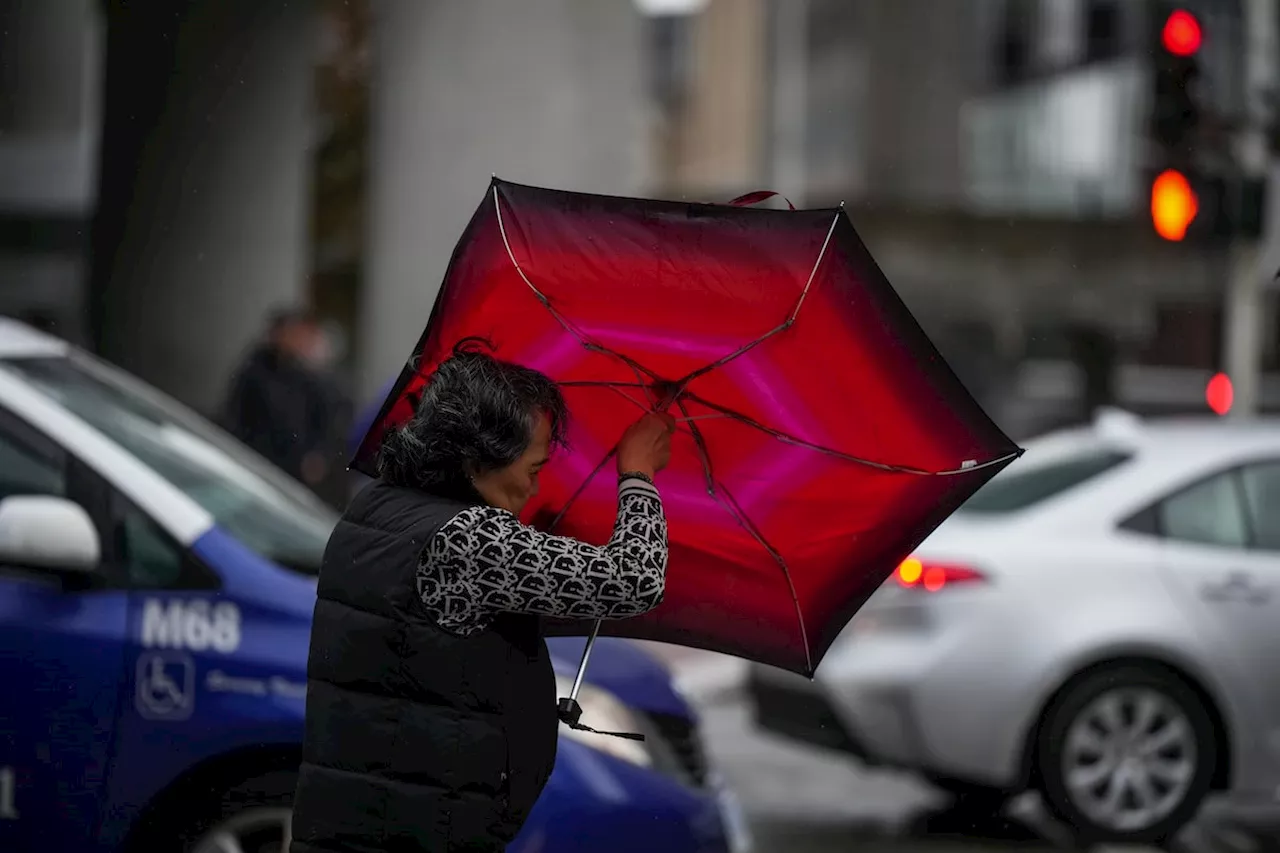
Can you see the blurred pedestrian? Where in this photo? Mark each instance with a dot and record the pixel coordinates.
(281, 404)
(431, 717)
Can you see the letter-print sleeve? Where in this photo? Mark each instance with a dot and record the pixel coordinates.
(484, 562)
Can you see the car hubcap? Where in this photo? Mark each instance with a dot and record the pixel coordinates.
(1129, 759)
(257, 830)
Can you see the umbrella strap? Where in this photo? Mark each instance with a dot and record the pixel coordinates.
(757, 197)
(571, 712)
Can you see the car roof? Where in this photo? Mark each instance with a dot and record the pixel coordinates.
(1206, 433)
(1197, 436)
(1166, 454)
(18, 340)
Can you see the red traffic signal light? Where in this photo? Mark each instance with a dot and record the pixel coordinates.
(1174, 205)
(1181, 35)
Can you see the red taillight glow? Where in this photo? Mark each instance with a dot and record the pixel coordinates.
(1219, 394)
(932, 576)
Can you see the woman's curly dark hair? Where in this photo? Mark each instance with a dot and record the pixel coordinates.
(477, 414)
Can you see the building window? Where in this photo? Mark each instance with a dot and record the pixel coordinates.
(1013, 43)
(1102, 25)
(669, 59)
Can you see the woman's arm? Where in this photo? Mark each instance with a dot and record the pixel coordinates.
(485, 562)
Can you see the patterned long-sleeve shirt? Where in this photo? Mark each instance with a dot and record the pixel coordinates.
(484, 562)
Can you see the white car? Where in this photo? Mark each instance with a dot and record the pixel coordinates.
(1100, 622)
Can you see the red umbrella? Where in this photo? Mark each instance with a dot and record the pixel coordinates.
(821, 436)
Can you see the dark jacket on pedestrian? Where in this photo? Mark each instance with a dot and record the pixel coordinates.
(280, 408)
(431, 719)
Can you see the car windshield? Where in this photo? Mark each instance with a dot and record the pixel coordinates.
(1015, 489)
(247, 496)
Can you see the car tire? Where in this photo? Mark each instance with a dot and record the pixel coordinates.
(1126, 754)
(257, 812)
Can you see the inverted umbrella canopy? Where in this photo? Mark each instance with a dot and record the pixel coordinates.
(820, 435)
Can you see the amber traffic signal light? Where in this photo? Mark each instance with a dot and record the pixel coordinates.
(1174, 205)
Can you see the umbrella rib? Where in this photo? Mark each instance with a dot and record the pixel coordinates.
(581, 488)
(731, 506)
(813, 273)
(636, 366)
(617, 389)
(624, 395)
(748, 525)
(847, 457)
(600, 384)
(781, 327)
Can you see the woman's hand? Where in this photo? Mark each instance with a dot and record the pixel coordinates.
(645, 448)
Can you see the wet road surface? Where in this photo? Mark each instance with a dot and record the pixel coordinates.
(803, 800)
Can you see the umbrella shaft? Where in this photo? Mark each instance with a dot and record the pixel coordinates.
(586, 655)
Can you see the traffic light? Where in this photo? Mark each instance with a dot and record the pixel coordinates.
(1175, 111)
(1181, 33)
(1174, 204)
(1193, 197)
(1192, 206)
(1185, 203)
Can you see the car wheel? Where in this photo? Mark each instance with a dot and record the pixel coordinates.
(253, 817)
(1126, 754)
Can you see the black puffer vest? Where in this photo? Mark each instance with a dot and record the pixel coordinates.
(416, 739)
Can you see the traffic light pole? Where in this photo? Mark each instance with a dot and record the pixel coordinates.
(1246, 290)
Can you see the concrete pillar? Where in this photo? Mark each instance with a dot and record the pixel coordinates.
(547, 92)
(50, 81)
(213, 208)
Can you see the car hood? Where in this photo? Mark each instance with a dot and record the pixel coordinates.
(624, 669)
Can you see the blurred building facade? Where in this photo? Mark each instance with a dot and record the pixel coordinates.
(171, 169)
(159, 177)
(202, 216)
(546, 92)
(991, 152)
(48, 158)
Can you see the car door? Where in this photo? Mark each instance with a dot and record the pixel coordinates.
(178, 634)
(62, 653)
(1221, 543)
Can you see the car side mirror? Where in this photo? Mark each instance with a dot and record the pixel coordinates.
(48, 534)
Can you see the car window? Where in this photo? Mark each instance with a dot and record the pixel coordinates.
(1210, 512)
(1262, 494)
(1014, 490)
(151, 559)
(247, 496)
(25, 472)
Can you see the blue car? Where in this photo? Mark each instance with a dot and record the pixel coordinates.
(157, 581)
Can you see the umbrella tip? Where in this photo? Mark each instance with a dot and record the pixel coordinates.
(842, 204)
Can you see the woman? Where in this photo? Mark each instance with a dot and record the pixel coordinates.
(431, 707)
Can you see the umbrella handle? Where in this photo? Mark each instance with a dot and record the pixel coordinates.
(582, 662)
(568, 708)
(757, 197)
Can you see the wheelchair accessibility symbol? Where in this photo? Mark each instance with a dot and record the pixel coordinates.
(166, 686)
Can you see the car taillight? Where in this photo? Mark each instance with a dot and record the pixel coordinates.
(932, 576)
